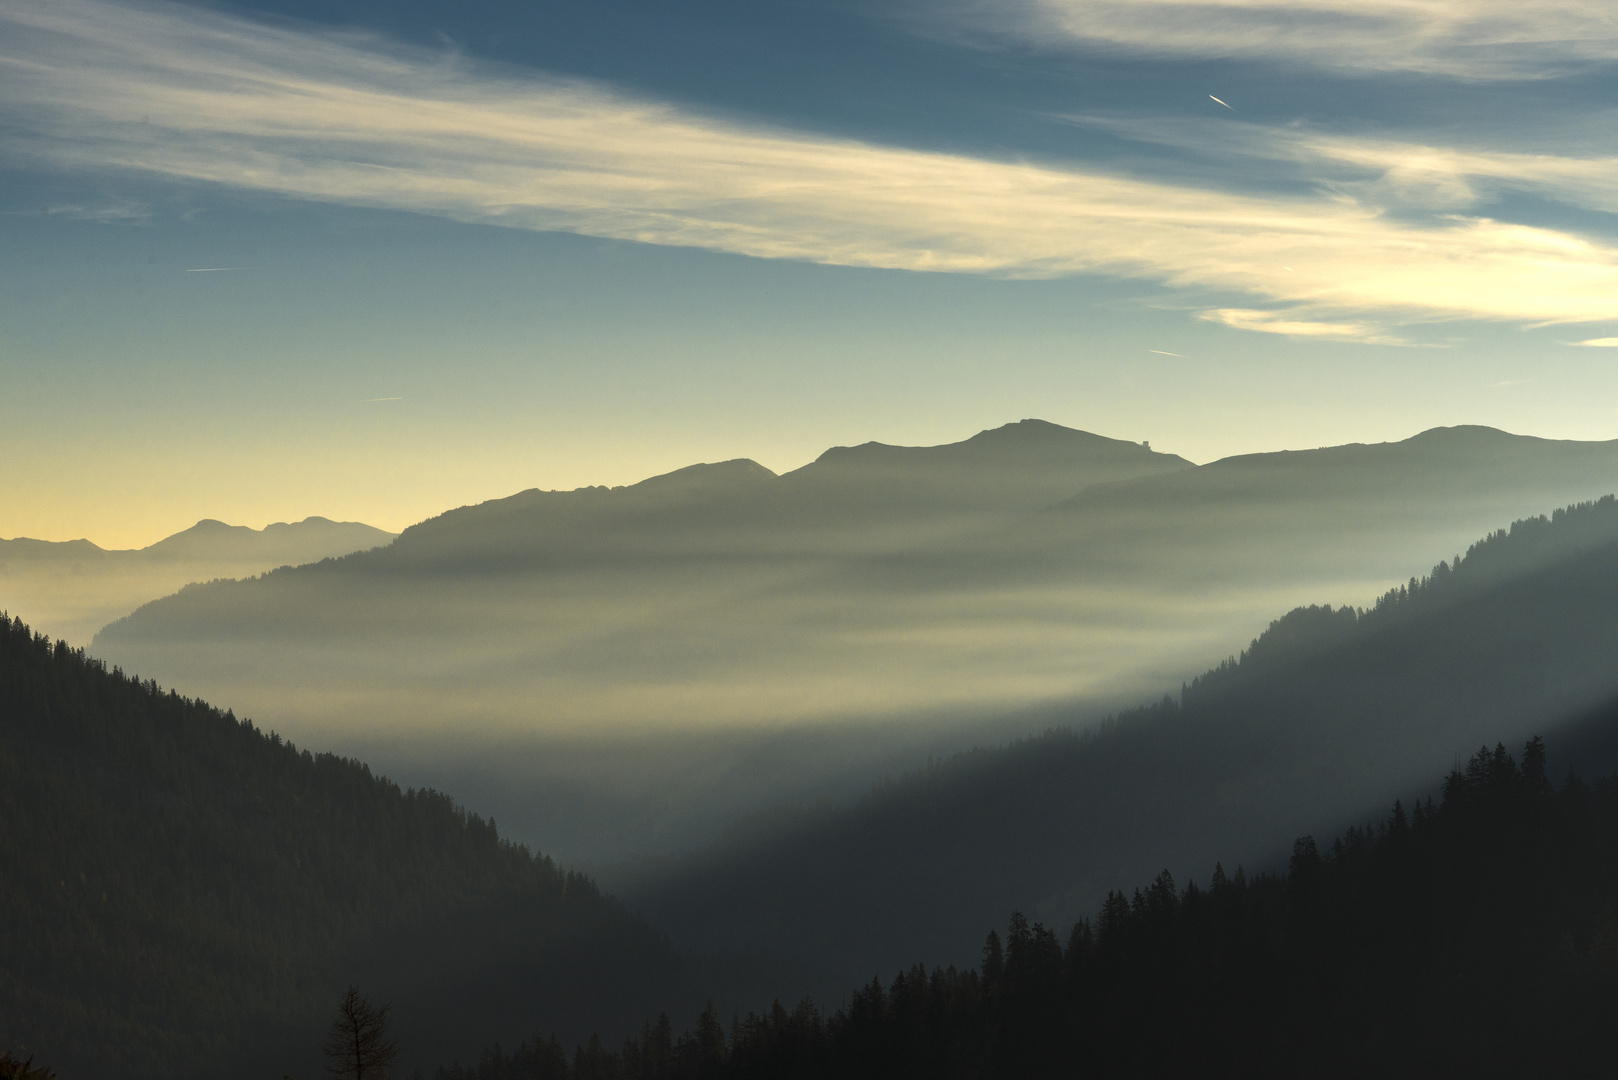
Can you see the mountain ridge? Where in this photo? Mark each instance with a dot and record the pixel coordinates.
(205, 527)
(73, 588)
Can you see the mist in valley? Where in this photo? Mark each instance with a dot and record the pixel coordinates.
(1322, 723)
(71, 589)
(616, 674)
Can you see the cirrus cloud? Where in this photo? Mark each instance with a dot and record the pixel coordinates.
(174, 92)
(1465, 39)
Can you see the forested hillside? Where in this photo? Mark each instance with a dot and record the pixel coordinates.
(1329, 713)
(182, 894)
(1473, 938)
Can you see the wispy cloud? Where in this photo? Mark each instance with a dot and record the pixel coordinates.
(1409, 172)
(119, 210)
(1468, 39)
(1458, 177)
(1296, 324)
(1598, 343)
(180, 93)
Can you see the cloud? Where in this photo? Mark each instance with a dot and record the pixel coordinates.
(1411, 172)
(116, 211)
(1467, 39)
(1457, 177)
(1598, 343)
(184, 94)
(1295, 324)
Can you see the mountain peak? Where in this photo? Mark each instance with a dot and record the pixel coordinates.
(1472, 433)
(715, 476)
(1032, 430)
(1031, 436)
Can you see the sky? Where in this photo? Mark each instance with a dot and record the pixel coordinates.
(372, 260)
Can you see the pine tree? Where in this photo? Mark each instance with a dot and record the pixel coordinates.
(994, 961)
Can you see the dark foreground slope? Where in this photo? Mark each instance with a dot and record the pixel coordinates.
(184, 895)
(1474, 938)
(1330, 713)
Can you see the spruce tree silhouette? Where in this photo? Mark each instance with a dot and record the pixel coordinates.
(358, 1047)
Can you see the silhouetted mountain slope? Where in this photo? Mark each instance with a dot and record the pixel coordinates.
(1327, 714)
(683, 512)
(1466, 461)
(184, 895)
(1341, 506)
(280, 543)
(72, 589)
(1477, 938)
(848, 500)
(876, 584)
(210, 542)
(1018, 467)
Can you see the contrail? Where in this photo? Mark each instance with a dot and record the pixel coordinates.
(1221, 102)
(214, 269)
(1160, 352)
(363, 400)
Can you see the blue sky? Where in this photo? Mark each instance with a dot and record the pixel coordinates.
(371, 260)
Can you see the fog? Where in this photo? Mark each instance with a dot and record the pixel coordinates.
(1327, 719)
(71, 589)
(623, 672)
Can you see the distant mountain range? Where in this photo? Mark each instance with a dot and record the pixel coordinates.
(694, 624)
(73, 588)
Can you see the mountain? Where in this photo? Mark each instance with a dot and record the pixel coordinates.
(1018, 467)
(677, 652)
(850, 500)
(185, 895)
(277, 544)
(1350, 507)
(71, 589)
(1326, 716)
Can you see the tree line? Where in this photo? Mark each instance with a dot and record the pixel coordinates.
(1476, 936)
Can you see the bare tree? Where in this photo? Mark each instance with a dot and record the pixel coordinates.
(14, 1069)
(358, 1047)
